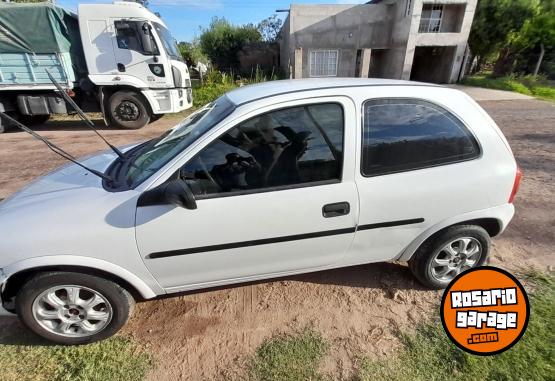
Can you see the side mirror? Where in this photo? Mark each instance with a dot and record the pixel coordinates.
(146, 39)
(174, 192)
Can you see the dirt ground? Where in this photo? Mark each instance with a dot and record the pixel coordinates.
(210, 334)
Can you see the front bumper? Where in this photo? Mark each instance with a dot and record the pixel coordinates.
(3, 279)
(166, 101)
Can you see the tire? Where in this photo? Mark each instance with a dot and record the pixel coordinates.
(112, 310)
(155, 117)
(434, 257)
(33, 120)
(128, 110)
(3, 125)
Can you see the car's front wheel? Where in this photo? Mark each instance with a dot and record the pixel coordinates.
(458, 248)
(72, 308)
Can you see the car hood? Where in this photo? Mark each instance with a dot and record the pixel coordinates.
(64, 181)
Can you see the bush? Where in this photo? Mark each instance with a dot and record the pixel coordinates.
(221, 42)
(210, 92)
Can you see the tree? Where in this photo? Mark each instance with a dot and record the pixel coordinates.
(494, 22)
(221, 42)
(537, 33)
(270, 28)
(192, 53)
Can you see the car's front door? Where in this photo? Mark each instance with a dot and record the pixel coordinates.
(275, 194)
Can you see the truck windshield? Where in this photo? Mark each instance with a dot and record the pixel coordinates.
(159, 151)
(170, 45)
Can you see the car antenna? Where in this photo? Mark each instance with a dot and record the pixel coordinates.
(81, 114)
(54, 147)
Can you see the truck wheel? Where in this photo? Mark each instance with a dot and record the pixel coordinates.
(128, 110)
(3, 125)
(458, 248)
(155, 117)
(71, 308)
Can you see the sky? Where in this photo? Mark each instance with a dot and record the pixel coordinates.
(185, 17)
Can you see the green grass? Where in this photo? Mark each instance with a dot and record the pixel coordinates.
(428, 354)
(289, 357)
(524, 85)
(116, 359)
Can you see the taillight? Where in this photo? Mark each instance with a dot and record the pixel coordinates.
(516, 184)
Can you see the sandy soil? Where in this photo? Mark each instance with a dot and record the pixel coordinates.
(210, 334)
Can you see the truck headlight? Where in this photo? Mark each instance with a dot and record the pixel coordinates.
(177, 79)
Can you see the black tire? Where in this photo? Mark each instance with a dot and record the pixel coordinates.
(120, 300)
(155, 117)
(421, 262)
(128, 110)
(3, 125)
(33, 120)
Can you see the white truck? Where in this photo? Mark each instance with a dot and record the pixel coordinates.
(119, 59)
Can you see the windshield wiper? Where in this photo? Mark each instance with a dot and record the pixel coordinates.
(82, 115)
(55, 148)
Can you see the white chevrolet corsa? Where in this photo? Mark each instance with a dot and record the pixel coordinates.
(275, 179)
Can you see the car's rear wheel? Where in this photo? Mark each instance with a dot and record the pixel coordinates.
(72, 308)
(458, 248)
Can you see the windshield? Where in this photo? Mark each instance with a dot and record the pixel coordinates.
(170, 45)
(158, 152)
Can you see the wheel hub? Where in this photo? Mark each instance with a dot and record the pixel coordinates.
(72, 311)
(127, 111)
(455, 257)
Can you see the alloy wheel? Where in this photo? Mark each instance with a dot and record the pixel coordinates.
(455, 257)
(73, 311)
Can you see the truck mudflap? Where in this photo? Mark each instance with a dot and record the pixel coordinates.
(102, 103)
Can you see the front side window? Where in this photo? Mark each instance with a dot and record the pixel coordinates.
(323, 63)
(128, 36)
(406, 134)
(289, 147)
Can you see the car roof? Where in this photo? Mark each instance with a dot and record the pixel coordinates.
(251, 93)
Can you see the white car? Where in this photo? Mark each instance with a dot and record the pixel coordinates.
(269, 180)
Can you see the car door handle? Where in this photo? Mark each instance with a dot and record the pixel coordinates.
(336, 209)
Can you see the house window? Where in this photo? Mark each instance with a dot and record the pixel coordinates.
(430, 21)
(323, 63)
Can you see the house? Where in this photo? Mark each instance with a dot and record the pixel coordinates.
(422, 40)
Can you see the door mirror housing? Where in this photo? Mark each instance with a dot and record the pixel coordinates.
(174, 192)
(146, 39)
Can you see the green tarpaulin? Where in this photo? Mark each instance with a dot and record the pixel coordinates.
(36, 28)
(41, 28)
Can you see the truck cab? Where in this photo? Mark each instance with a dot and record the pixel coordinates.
(119, 59)
(132, 56)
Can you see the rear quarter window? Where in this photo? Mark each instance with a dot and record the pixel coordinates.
(408, 134)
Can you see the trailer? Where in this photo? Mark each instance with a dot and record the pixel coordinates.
(118, 59)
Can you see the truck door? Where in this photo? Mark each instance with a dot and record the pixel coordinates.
(134, 61)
